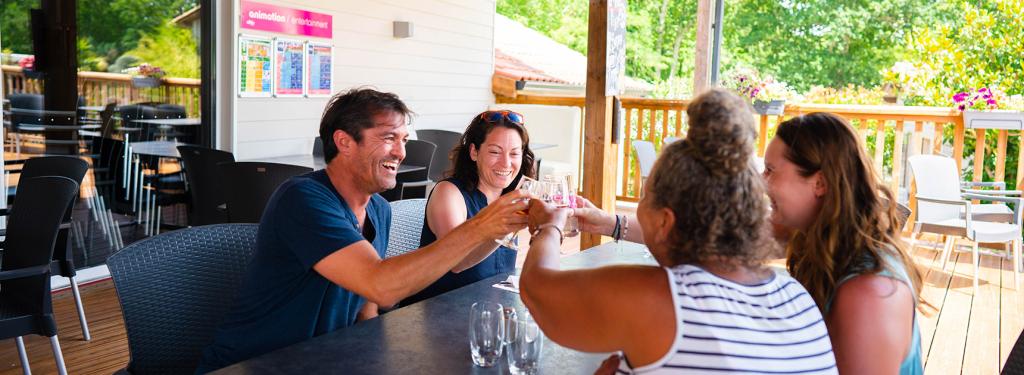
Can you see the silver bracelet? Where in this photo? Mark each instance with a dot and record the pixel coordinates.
(561, 237)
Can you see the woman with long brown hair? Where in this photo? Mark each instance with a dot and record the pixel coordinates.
(844, 243)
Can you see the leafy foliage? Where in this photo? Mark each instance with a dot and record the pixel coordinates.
(108, 27)
(171, 48)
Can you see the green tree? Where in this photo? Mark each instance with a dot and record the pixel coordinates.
(14, 25)
(171, 48)
(108, 27)
(823, 42)
(983, 48)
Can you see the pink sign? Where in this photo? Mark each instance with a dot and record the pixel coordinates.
(258, 16)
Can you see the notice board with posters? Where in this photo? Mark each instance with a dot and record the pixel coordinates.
(290, 69)
(320, 69)
(255, 71)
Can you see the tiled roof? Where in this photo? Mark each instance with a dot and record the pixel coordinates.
(522, 53)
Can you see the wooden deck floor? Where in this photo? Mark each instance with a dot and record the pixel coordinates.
(962, 333)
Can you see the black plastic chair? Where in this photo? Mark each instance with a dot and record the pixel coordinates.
(249, 185)
(25, 302)
(318, 147)
(446, 142)
(175, 288)
(413, 184)
(1015, 361)
(63, 260)
(205, 190)
(21, 102)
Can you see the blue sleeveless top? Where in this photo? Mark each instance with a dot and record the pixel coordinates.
(502, 260)
(895, 269)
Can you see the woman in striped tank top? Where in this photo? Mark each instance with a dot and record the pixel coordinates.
(710, 305)
(844, 243)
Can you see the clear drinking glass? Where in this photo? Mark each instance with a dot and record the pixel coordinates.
(486, 333)
(525, 349)
(510, 325)
(529, 186)
(563, 194)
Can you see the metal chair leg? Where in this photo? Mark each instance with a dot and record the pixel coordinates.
(58, 356)
(22, 355)
(974, 258)
(950, 243)
(1016, 263)
(81, 309)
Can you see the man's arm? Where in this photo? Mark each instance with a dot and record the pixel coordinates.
(358, 268)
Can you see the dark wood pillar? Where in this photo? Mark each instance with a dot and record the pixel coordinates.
(57, 50)
(605, 66)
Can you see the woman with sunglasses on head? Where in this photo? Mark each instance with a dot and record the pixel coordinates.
(492, 154)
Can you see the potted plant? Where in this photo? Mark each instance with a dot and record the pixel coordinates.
(767, 95)
(146, 75)
(901, 81)
(27, 65)
(986, 108)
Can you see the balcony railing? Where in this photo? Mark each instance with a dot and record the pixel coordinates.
(101, 88)
(890, 134)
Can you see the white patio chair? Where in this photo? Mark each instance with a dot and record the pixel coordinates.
(645, 156)
(670, 140)
(942, 208)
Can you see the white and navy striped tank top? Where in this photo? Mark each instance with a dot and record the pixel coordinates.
(725, 327)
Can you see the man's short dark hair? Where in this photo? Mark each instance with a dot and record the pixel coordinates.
(352, 112)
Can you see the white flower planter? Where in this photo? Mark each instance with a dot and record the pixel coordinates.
(997, 119)
(772, 108)
(145, 82)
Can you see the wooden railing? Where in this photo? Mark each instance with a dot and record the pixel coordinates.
(921, 130)
(101, 88)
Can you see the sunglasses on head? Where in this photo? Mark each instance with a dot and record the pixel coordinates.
(495, 117)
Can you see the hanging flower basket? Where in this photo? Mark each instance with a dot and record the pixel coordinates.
(772, 108)
(995, 119)
(145, 82)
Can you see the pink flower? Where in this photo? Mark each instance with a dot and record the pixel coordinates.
(960, 97)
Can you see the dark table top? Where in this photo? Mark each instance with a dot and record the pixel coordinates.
(317, 162)
(432, 336)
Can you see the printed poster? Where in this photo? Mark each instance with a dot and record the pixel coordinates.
(256, 66)
(318, 61)
(290, 69)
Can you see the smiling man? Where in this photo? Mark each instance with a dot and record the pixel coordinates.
(323, 236)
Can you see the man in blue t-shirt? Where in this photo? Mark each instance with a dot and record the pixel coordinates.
(323, 235)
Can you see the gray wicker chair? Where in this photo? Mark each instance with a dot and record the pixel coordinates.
(175, 288)
(406, 225)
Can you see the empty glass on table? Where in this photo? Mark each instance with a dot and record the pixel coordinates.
(486, 333)
(525, 348)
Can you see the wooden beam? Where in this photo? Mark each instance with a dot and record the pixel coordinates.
(503, 86)
(702, 53)
(599, 151)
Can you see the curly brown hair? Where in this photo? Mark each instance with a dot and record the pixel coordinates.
(710, 183)
(857, 226)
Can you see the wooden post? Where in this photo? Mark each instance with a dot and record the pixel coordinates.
(702, 55)
(599, 151)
